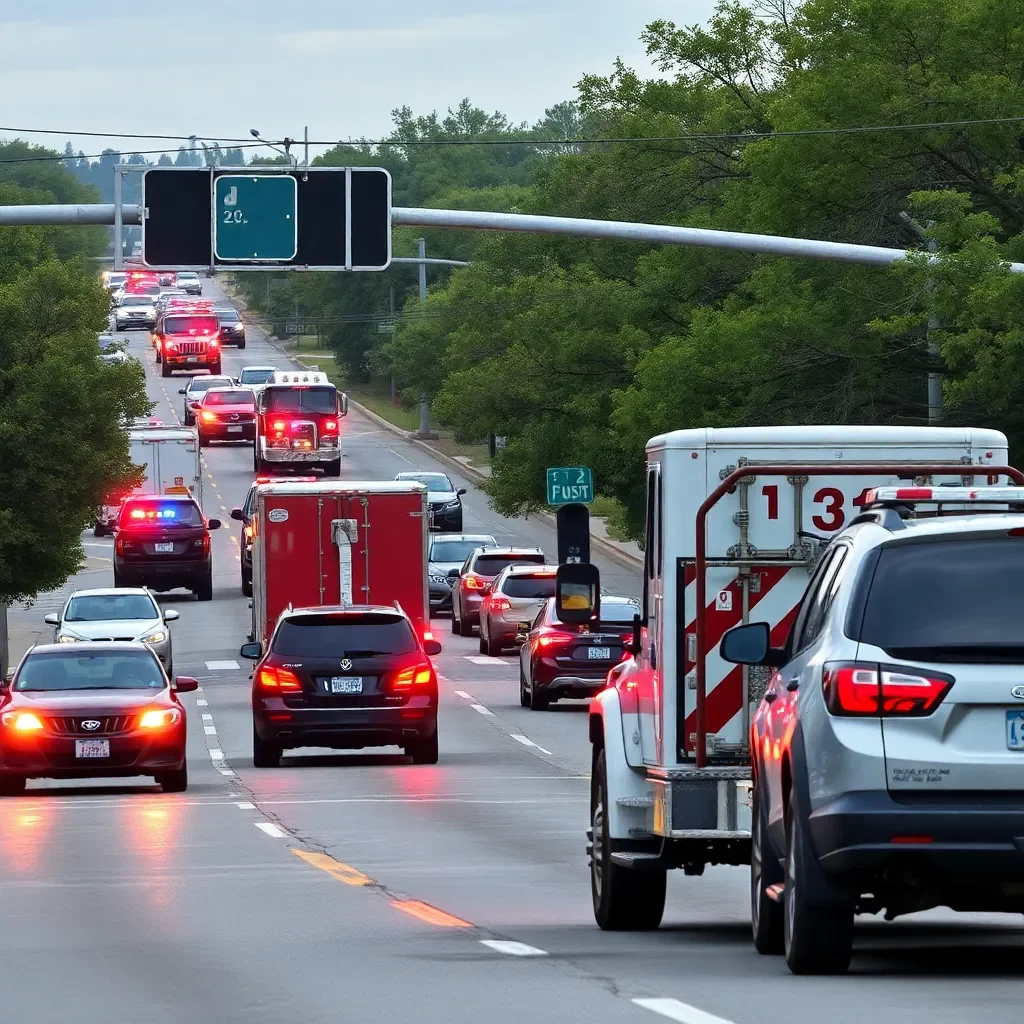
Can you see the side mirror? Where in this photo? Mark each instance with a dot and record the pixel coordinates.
(431, 647)
(5, 683)
(633, 646)
(578, 593)
(460, 492)
(185, 684)
(171, 614)
(182, 391)
(453, 574)
(236, 513)
(523, 633)
(252, 652)
(751, 645)
(53, 619)
(344, 404)
(213, 524)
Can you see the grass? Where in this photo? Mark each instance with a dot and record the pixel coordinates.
(610, 510)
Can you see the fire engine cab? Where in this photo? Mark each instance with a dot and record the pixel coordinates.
(737, 519)
(298, 422)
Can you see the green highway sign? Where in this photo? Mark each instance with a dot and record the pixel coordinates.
(569, 485)
(255, 217)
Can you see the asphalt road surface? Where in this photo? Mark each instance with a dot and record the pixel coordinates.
(356, 887)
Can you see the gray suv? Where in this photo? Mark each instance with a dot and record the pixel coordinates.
(888, 750)
(447, 553)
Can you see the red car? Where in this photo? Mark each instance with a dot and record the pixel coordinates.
(226, 414)
(92, 710)
(558, 660)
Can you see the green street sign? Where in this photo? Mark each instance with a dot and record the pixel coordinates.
(570, 484)
(255, 217)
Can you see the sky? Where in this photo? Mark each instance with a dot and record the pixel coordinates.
(220, 67)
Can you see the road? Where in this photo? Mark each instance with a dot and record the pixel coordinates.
(356, 887)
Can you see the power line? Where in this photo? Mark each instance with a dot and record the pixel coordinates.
(99, 156)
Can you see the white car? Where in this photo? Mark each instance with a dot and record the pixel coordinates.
(134, 312)
(116, 613)
(255, 378)
(190, 281)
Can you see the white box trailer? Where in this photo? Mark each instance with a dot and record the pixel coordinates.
(736, 521)
(169, 457)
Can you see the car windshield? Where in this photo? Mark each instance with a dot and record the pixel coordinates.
(199, 384)
(454, 550)
(351, 636)
(187, 276)
(491, 565)
(239, 397)
(136, 300)
(191, 325)
(160, 513)
(227, 316)
(949, 600)
(255, 376)
(529, 586)
(103, 607)
(302, 399)
(432, 481)
(100, 670)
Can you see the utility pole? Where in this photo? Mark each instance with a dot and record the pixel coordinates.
(424, 432)
(934, 377)
(391, 313)
(118, 221)
(305, 159)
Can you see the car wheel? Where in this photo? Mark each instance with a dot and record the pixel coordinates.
(818, 939)
(246, 584)
(483, 641)
(539, 699)
(12, 785)
(493, 648)
(766, 916)
(204, 590)
(204, 441)
(424, 751)
(332, 468)
(98, 530)
(174, 782)
(165, 370)
(118, 582)
(189, 420)
(215, 370)
(524, 696)
(456, 624)
(264, 754)
(241, 344)
(255, 459)
(624, 899)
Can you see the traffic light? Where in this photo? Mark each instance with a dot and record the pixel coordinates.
(573, 525)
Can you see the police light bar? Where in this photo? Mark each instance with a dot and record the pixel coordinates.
(959, 495)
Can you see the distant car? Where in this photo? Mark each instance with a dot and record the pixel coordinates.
(135, 312)
(232, 330)
(111, 350)
(256, 377)
(166, 297)
(197, 387)
(444, 559)
(162, 542)
(166, 278)
(476, 575)
(128, 614)
(79, 710)
(345, 678)
(190, 282)
(226, 414)
(114, 279)
(444, 500)
(518, 594)
(558, 660)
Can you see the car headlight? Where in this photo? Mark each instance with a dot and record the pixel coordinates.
(453, 504)
(67, 638)
(158, 636)
(158, 718)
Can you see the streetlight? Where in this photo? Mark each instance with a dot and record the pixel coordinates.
(287, 146)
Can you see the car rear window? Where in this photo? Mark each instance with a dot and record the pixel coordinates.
(136, 300)
(302, 399)
(228, 316)
(491, 565)
(529, 586)
(160, 513)
(255, 376)
(948, 599)
(239, 397)
(454, 550)
(348, 637)
(205, 383)
(191, 325)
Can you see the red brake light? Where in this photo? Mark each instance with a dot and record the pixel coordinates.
(500, 604)
(415, 675)
(279, 426)
(330, 425)
(554, 637)
(473, 582)
(881, 690)
(278, 679)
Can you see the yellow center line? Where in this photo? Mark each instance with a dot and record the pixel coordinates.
(431, 915)
(334, 868)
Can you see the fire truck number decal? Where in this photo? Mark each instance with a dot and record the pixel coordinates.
(771, 493)
(833, 518)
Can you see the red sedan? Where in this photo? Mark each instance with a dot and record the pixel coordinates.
(226, 414)
(92, 710)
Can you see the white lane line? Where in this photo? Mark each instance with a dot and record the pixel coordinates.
(513, 948)
(482, 709)
(246, 807)
(221, 666)
(271, 829)
(682, 1012)
(216, 755)
(210, 730)
(527, 742)
(483, 659)
(202, 703)
(462, 693)
(207, 718)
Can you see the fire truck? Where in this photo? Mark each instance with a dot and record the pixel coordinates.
(298, 423)
(736, 521)
(328, 543)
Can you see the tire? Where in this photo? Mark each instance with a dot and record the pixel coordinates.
(766, 916)
(424, 751)
(624, 900)
(174, 782)
(524, 696)
(332, 468)
(98, 530)
(204, 590)
(456, 624)
(189, 419)
(241, 344)
(246, 584)
(539, 700)
(215, 370)
(255, 458)
(483, 642)
(118, 582)
(12, 785)
(204, 441)
(165, 370)
(818, 939)
(493, 648)
(264, 755)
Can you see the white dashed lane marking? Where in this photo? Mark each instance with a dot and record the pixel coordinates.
(527, 742)
(483, 659)
(271, 829)
(512, 948)
(482, 709)
(463, 694)
(673, 1009)
(222, 666)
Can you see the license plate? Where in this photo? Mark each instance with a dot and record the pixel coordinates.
(234, 430)
(192, 359)
(164, 548)
(599, 653)
(346, 684)
(92, 748)
(1015, 730)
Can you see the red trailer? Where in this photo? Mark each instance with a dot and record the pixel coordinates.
(336, 542)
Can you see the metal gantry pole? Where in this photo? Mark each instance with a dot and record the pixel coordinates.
(424, 431)
(118, 221)
(934, 354)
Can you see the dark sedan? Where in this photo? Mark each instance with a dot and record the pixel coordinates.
(92, 710)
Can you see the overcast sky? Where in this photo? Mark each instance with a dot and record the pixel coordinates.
(221, 67)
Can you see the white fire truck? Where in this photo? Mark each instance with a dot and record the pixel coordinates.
(736, 520)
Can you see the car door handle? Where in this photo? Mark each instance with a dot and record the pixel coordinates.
(793, 685)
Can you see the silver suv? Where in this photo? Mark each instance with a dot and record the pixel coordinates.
(888, 751)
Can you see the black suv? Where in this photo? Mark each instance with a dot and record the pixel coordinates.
(162, 541)
(345, 678)
(232, 330)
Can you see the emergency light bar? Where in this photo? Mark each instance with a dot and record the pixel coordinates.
(959, 495)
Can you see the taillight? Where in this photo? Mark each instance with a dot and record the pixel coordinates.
(278, 679)
(330, 426)
(472, 582)
(121, 545)
(206, 543)
(500, 604)
(412, 677)
(279, 426)
(881, 690)
(554, 638)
